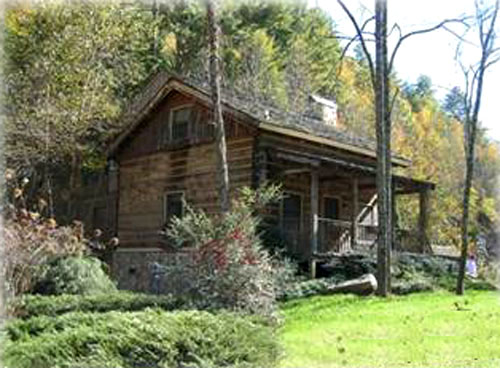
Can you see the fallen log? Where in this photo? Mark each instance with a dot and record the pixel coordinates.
(363, 285)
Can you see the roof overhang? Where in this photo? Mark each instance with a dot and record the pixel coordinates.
(328, 142)
(404, 184)
(162, 84)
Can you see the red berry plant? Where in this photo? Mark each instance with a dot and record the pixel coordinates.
(229, 267)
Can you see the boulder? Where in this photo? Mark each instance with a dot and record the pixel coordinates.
(363, 285)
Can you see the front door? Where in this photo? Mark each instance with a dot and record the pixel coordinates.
(291, 221)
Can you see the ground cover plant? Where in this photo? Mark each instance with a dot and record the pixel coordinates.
(419, 330)
(411, 273)
(29, 306)
(150, 338)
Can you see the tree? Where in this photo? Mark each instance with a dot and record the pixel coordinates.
(454, 104)
(383, 105)
(485, 23)
(68, 71)
(215, 76)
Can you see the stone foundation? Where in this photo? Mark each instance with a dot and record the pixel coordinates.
(134, 270)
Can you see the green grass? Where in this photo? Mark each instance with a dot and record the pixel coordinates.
(419, 330)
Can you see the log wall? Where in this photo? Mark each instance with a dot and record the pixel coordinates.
(149, 170)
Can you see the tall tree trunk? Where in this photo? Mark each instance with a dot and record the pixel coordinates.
(470, 143)
(383, 149)
(487, 37)
(220, 137)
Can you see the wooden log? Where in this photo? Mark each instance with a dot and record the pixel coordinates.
(364, 285)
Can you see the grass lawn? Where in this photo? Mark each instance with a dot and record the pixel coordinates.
(420, 330)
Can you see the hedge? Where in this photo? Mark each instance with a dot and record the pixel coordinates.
(151, 338)
(37, 305)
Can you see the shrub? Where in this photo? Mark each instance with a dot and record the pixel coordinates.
(32, 239)
(29, 243)
(151, 338)
(29, 306)
(229, 268)
(74, 275)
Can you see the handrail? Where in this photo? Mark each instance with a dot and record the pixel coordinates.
(334, 221)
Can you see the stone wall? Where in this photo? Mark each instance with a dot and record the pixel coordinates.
(150, 270)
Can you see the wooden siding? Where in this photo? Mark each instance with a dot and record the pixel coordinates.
(149, 169)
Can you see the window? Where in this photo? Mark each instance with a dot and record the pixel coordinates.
(179, 123)
(173, 206)
(331, 208)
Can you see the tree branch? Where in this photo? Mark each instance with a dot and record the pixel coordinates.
(418, 32)
(361, 39)
(352, 39)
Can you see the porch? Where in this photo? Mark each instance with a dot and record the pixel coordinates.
(330, 204)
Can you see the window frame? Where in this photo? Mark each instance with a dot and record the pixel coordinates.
(170, 124)
(165, 203)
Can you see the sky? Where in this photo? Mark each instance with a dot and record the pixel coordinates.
(431, 54)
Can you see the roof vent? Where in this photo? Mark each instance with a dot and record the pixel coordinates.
(327, 109)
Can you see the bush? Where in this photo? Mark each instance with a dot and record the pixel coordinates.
(31, 240)
(29, 306)
(229, 268)
(74, 275)
(151, 338)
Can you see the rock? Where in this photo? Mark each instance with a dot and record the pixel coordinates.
(363, 285)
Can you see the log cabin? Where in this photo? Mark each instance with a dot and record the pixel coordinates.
(166, 154)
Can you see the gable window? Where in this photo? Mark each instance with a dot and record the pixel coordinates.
(173, 206)
(331, 208)
(180, 120)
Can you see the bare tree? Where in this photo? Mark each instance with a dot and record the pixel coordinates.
(215, 81)
(485, 23)
(384, 103)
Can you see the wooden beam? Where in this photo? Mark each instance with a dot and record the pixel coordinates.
(355, 212)
(296, 171)
(298, 158)
(112, 197)
(314, 218)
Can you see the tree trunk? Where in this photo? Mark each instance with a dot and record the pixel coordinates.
(470, 143)
(220, 138)
(487, 38)
(383, 149)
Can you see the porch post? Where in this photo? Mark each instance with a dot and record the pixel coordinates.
(394, 215)
(314, 219)
(355, 212)
(423, 220)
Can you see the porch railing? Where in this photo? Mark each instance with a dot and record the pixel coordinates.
(334, 236)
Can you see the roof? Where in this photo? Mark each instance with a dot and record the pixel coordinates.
(262, 114)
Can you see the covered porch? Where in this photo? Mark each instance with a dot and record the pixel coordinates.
(330, 205)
